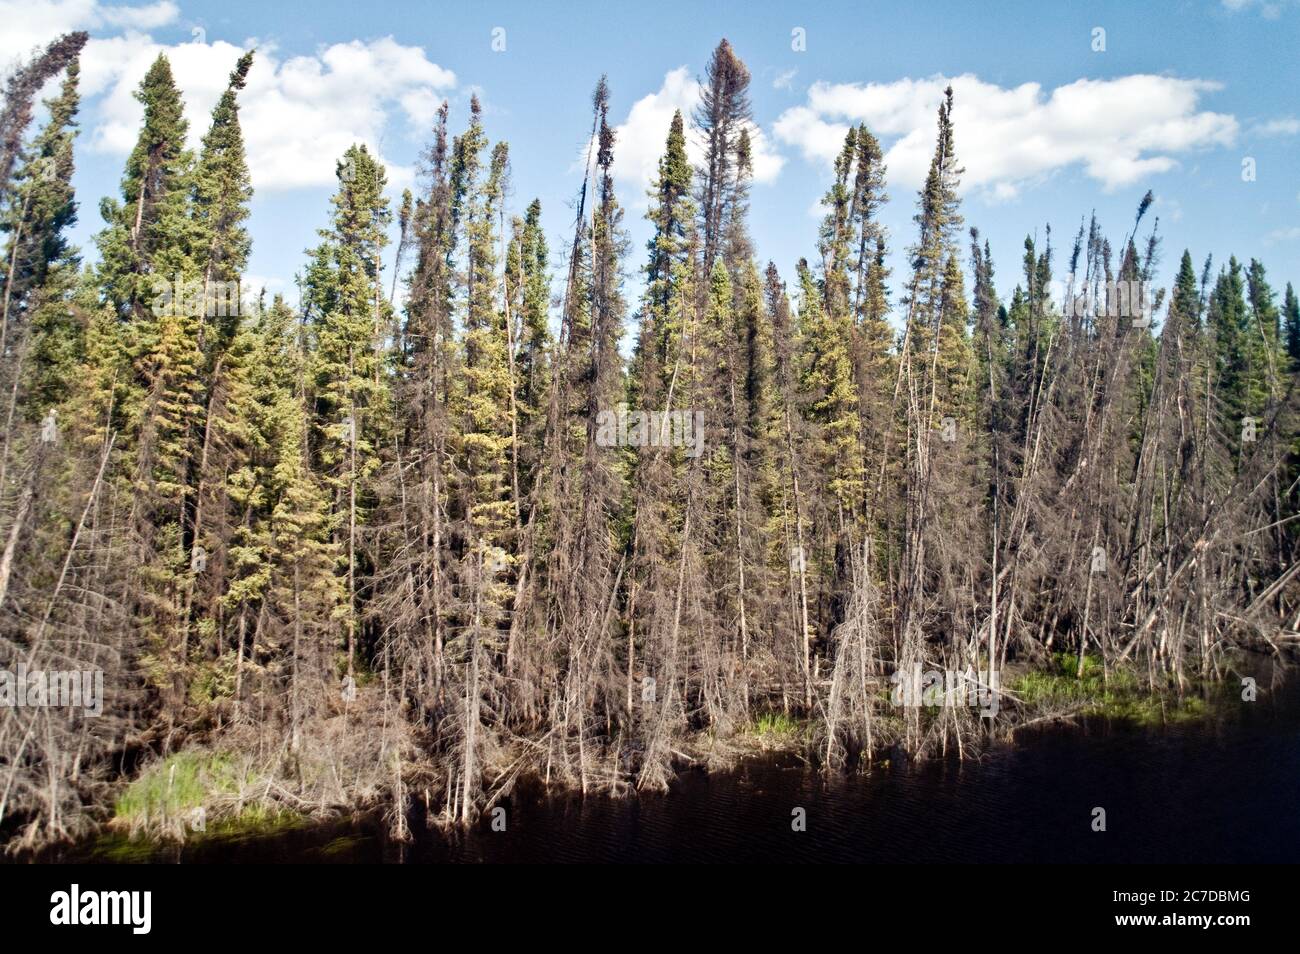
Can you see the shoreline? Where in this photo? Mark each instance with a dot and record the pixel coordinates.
(1046, 699)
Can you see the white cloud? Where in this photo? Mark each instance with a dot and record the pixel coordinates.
(819, 139)
(783, 80)
(298, 114)
(1118, 131)
(1283, 235)
(140, 18)
(1168, 208)
(640, 138)
(1286, 126)
(1268, 9)
(29, 24)
(421, 107)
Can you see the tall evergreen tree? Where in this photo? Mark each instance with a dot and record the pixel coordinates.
(528, 283)
(412, 594)
(219, 199)
(348, 316)
(40, 265)
(20, 93)
(147, 272)
(149, 236)
(721, 118)
(1291, 323)
(1229, 323)
(658, 499)
(222, 190)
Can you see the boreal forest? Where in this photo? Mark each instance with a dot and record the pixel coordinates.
(477, 506)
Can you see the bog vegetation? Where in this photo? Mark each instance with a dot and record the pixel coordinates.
(357, 552)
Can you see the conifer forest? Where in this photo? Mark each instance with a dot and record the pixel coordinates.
(496, 494)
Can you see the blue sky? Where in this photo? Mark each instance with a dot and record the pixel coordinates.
(1048, 127)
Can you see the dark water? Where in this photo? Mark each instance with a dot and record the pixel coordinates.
(1222, 790)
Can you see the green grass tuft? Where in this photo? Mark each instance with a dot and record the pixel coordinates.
(1120, 696)
(777, 724)
(177, 785)
(159, 805)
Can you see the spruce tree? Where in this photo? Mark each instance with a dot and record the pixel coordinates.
(721, 117)
(347, 317)
(528, 280)
(1228, 322)
(413, 593)
(148, 237)
(20, 93)
(148, 275)
(222, 190)
(220, 194)
(1291, 323)
(830, 394)
(1186, 298)
(40, 266)
(1265, 335)
(656, 499)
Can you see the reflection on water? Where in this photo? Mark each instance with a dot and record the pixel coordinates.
(1223, 790)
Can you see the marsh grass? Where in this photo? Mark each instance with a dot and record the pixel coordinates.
(1119, 694)
(778, 725)
(161, 802)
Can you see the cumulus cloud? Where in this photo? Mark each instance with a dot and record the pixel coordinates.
(1118, 131)
(140, 18)
(818, 138)
(640, 138)
(298, 114)
(31, 24)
